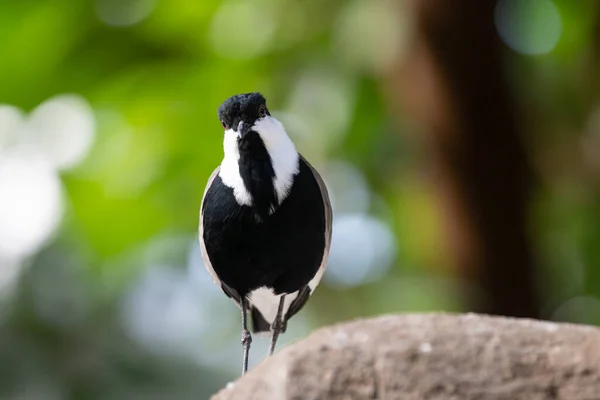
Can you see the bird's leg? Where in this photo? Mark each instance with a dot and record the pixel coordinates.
(246, 337)
(277, 325)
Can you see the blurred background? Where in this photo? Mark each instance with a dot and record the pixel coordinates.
(460, 142)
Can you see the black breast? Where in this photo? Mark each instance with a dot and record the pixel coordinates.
(257, 173)
(282, 251)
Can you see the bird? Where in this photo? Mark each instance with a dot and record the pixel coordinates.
(265, 220)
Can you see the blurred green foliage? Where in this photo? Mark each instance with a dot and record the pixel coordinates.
(154, 73)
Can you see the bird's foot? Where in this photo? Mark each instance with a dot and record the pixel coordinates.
(246, 338)
(276, 328)
(277, 325)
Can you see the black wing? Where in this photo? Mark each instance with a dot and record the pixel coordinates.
(305, 292)
(207, 264)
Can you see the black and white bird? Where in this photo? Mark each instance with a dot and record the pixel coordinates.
(265, 220)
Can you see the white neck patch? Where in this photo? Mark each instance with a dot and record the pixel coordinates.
(230, 169)
(283, 154)
(284, 157)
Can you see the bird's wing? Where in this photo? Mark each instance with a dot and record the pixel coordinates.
(205, 257)
(328, 224)
(305, 292)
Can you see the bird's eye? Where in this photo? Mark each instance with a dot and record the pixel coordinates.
(224, 124)
(262, 111)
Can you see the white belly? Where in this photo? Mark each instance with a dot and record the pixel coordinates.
(265, 301)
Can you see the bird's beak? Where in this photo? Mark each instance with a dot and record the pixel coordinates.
(243, 129)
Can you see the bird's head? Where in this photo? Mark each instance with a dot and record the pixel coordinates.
(249, 125)
(256, 141)
(239, 113)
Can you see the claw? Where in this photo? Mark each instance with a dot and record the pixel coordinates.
(246, 338)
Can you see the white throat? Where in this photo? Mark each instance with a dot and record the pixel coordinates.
(230, 170)
(284, 158)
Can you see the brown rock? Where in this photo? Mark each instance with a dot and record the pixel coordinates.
(431, 357)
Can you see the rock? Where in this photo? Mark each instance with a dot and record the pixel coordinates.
(431, 357)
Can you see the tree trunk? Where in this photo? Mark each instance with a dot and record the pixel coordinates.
(454, 85)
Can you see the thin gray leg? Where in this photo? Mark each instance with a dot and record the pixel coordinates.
(277, 325)
(246, 337)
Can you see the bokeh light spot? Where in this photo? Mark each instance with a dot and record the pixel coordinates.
(11, 122)
(347, 187)
(580, 309)
(30, 203)
(528, 26)
(322, 99)
(372, 34)
(362, 250)
(243, 29)
(123, 12)
(163, 313)
(63, 130)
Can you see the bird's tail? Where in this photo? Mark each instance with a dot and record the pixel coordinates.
(260, 326)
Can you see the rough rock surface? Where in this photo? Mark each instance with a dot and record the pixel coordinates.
(431, 357)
